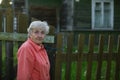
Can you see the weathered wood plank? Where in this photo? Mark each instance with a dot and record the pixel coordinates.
(90, 57)
(58, 64)
(9, 46)
(22, 23)
(117, 68)
(100, 56)
(80, 56)
(68, 56)
(110, 50)
(9, 60)
(9, 20)
(22, 37)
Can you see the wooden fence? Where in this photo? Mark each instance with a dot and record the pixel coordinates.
(94, 58)
(87, 61)
(90, 61)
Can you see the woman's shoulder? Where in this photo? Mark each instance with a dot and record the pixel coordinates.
(25, 48)
(26, 44)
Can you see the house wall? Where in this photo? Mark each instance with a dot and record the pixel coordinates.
(117, 14)
(50, 3)
(45, 10)
(82, 14)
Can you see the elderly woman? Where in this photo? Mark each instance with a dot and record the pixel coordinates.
(33, 62)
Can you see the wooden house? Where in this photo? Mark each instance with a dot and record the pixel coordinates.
(72, 15)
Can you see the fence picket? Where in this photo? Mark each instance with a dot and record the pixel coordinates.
(117, 69)
(68, 56)
(9, 60)
(80, 55)
(22, 23)
(58, 64)
(100, 56)
(109, 59)
(9, 46)
(90, 56)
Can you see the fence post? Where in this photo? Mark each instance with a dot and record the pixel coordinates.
(58, 64)
(9, 46)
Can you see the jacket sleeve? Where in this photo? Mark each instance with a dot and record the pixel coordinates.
(25, 64)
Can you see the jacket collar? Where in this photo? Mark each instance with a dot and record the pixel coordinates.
(36, 46)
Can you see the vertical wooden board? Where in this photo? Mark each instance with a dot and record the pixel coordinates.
(58, 63)
(9, 46)
(109, 57)
(68, 54)
(9, 20)
(117, 71)
(100, 54)
(81, 38)
(9, 60)
(22, 23)
(22, 20)
(90, 56)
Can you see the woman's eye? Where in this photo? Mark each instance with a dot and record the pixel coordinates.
(42, 32)
(39, 32)
(36, 32)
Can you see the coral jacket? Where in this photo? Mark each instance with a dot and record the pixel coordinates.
(33, 62)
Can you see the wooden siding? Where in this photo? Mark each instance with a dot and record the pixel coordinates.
(50, 3)
(82, 14)
(44, 14)
(116, 14)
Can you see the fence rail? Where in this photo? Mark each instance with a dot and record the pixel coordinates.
(23, 37)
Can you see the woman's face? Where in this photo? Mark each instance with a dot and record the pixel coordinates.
(37, 35)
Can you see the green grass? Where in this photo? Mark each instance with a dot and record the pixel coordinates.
(84, 70)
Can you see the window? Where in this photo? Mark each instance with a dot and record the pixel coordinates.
(102, 14)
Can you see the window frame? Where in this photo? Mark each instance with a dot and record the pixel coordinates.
(93, 14)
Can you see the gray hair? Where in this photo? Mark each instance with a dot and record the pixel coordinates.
(38, 24)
